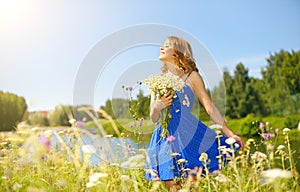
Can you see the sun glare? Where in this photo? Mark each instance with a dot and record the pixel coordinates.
(16, 15)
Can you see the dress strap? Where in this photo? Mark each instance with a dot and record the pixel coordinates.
(188, 76)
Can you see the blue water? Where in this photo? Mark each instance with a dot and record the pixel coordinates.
(111, 150)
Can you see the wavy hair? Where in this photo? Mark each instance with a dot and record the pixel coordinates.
(183, 54)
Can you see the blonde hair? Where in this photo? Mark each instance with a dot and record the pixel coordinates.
(183, 55)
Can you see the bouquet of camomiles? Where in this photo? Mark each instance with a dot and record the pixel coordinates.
(160, 85)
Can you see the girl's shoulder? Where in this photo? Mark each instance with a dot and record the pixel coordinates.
(195, 76)
(195, 80)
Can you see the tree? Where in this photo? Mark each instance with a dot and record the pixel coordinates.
(38, 119)
(12, 110)
(282, 80)
(61, 115)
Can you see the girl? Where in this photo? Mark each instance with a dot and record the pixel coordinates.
(171, 157)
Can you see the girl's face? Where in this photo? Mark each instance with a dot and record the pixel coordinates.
(166, 53)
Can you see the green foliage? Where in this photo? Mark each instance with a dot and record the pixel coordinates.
(63, 113)
(38, 119)
(128, 108)
(292, 121)
(282, 82)
(250, 125)
(278, 92)
(12, 110)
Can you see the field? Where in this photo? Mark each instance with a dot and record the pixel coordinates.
(30, 163)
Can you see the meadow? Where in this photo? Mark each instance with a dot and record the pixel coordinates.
(29, 162)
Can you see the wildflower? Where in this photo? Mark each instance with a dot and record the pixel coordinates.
(221, 178)
(258, 155)
(142, 119)
(45, 142)
(90, 184)
(79, 123)
(268, 136)
(72, 121)
(170, 138)
(177, 110)
(236, 145)
(96, 176)
(261, 125)
(48, 133)
(219, 135)
(175, 154)
(181, 161)
(130, 88)
(108, 136)
(249, 141)
(88, 149)
(203, 157)
(273, 174)
(126, 150)
(125, 177)
(222, 147)
(280, 147)
(216, 126)
(17, 186)
(139, 124)
(94, 179)
(226, 150)
(230, 141)
(285, 130)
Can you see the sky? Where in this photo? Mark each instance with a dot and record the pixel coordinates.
(43, 44)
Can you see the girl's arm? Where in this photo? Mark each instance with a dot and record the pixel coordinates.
(198, 87)
(157, 105)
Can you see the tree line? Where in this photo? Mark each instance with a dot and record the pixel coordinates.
(277, 92)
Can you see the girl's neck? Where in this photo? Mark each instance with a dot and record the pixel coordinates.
(171, 67)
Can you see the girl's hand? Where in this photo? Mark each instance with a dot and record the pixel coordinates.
(167, 99)
(238, 139)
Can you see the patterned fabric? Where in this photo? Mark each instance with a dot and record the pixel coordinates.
(171, 157)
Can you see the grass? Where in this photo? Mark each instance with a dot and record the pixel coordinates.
(28, 163)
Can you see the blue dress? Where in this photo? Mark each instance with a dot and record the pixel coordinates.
(171, 157)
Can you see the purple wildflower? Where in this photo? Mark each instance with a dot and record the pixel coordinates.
(79, 123)
(170, 138)
(126, 150)
(267, 136)
(45, 142)
(139, 124)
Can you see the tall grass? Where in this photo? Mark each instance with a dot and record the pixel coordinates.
(29, 163)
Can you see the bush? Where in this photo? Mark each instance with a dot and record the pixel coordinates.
(250, 125)
(291, 121)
